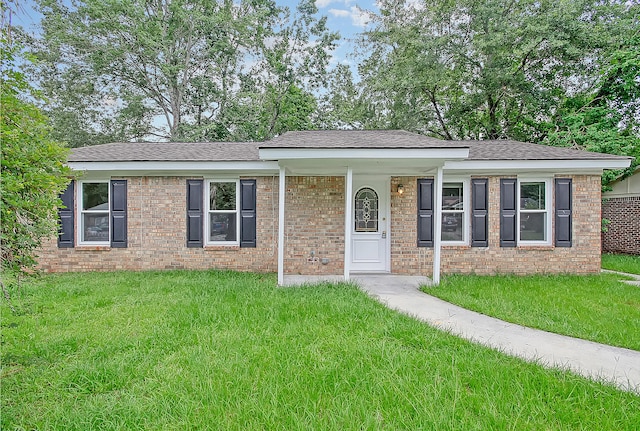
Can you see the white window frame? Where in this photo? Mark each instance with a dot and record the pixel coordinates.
(82, 212)
(208, 211)
(466, 201)
(548, 204)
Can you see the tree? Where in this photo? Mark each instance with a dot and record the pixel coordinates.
(343, 105)
(173, 69)
(278, 92)
(605, 119)
(33, 171)
(484, 69)
(295, 65)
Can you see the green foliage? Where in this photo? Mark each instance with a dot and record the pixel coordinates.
(489, 69)
(181, 70)
(606, 119)
(598, 308)
(221, 350)
(33, 171)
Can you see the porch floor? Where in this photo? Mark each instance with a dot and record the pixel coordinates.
(371, 282)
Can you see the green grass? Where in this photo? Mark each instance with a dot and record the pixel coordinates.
(226, 351)
(598, 308)
(621, 262)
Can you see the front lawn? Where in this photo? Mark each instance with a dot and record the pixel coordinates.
(226, 351)
(621, 262)
(598, 308)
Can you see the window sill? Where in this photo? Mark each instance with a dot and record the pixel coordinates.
(82, 247)
(453, 246)
(233, 247)
(535, 247)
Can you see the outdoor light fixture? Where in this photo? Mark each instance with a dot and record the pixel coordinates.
(400, 189)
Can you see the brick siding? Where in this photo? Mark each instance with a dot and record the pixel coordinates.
(314, 222)
(583, 257)
(157, 235)
(623, 233)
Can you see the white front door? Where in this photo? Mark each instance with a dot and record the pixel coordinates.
(370, 234)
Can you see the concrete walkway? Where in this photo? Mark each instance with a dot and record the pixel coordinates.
(593, 360)
(634, 282)
(612, 364)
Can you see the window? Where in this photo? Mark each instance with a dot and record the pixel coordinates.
(453, 212)
(94, 212)
(534, 212)
(366, 210)
(222, 209)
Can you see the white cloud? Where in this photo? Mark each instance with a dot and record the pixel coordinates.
(324, 3)
(359, 17)
(339, 13)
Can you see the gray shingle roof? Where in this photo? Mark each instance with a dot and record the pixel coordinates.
(327, 139)
(166, 151)
(478, 150)
(357, 139)
(514, 150)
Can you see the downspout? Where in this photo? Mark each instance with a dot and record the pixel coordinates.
(348, 209)
(437, 231)
(281, 195)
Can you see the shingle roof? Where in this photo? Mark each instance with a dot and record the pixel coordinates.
(478, 150)
(357, 139)
(166, 151)
(514, 150)
(326, 139)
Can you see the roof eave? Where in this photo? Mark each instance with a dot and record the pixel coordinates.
(328, 153)
(178, 168)
(552, 165)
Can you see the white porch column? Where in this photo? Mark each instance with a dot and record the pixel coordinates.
(348, 210)
(437, 231)
(281, 195)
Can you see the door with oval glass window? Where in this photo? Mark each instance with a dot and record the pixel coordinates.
(370, 225)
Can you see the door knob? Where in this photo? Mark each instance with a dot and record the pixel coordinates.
(384, 234)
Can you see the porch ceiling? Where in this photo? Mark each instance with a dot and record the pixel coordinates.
(402, 167)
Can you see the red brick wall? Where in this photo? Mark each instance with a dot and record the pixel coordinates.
(314, 222)
(583, 257)
(623, 233)
(406, 257)
(157, 235)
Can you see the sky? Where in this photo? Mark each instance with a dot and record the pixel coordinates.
(348, 17)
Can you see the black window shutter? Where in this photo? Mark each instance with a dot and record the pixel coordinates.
(508, 208)
(66, 234)
(563, 212)
(119, 213)
(479, 212)
(425, 212)
(195, 203)
(247, 213)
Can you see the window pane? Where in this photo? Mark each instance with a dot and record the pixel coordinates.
(452, 198)
(366, 211)
(532, 196)
(532, 226)
(95, 196)
(222, 227)
(222, 196)
(452, 227)
(95, 227)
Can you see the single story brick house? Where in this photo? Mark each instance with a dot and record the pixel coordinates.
(333, 203)
(621, 207)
